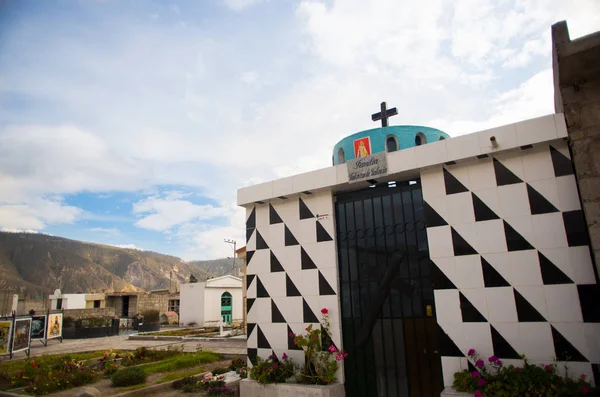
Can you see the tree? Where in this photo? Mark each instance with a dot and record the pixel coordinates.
(193, 279)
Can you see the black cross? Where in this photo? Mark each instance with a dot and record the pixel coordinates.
(384, 114)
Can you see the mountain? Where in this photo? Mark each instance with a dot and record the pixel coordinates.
(37, 264)
(218, 267)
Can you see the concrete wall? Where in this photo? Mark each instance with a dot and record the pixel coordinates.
(70, 301)
(191, 306)
(77, 314)
(25, 305)
(576, 67)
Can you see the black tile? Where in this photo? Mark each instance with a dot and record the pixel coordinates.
(275, 264)
(447, 347)
(289, 237)
(502, 349)
(596, 372)
(589, 297)
(305, 212)
(504, 176)
(453, 185)
(576, 228)
(274, 217)
(276, 316)
(263, 343)
(250, 328)
(460, 245)
(249, 232)
(249, 279)
(526, 313)
(252, 354)
(251, 221)
(261, 244)
(261, 291)
(562, 164)
(564, 350)
(471, 367)
(322, 234)
(439, 279)
(249, 255)
(514, 241)
(308, 315)
(469, 313)
(326, 340)
(324, 286)
(306, 261)
(432, 218)
(290, 336)
(538, 203)
(482, 211)
(249, 303)
(551, 274)
(491, 277)
(290, 287)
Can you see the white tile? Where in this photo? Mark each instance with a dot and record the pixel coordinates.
(274, 283)
(440, 242)
(310, 282)
(296, 277)
(591, 332)
(576, 335)
(262, 215)
(460, 172)
(549, 189)
(290, 308)
(331, 303)
(561, 125)
(568, 195)
(582, 269)
(490, 197)
(261, 311)
(514, 200)
(536, 130)
(319, 203)
(481, 175)
(432, 181)
(549, 231)
(467, 232)
(323, 254)
(537, 164)
(536, 341)
(276, 237)
(440, 205)
(479, 337)
(477, 296)
(576, 369)
(276, 334)
(460, 208)
(260, 192)
(501, 304)
(510, 332)
(524, 226)
(305, 230)
(283, 187)
(331, 275)
(490, 237)
(452, 365)
(401, 160)
(260, 263)
(305, 182)
(563, 147)
(447, 306)
(468, 272)
(536, 297)
(288, 210)
(456, 333)
(463, 146)
(341, 172)
(513, 161)
(519, 268)
(447, 266)
(251, 244)
(506, 138)
(431, 153)
(289, 258)
(563, 303)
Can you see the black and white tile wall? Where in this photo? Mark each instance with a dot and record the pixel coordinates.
(292, 273)
(514, 272)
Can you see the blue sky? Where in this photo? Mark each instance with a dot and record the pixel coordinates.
(133, 123)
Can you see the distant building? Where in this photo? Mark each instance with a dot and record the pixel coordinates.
(209, 302)
(60, 301)
(241, 254)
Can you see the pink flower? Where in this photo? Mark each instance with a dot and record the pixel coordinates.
(585, 390)
(493, 359)
(476, 374)
(332, 349)
(478, 393)
(499, 363)
(324, 310)
(582, 377)
(471, 352)
(479, 364)
(292, 334)
(548, 368)
(284, 356)
(275, 366)
(481, 382)
(314, 336)
(518, 369)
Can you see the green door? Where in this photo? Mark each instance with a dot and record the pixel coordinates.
(226, 307)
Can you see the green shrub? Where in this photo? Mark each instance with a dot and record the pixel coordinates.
(189, 384)
(151, 316)
(128, 376)
(273, 370)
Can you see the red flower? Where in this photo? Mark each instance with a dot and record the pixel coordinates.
(324, 310)
(585, 390)
(292, 334)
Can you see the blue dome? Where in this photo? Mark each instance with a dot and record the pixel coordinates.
(405, 136)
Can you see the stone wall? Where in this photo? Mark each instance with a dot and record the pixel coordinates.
(577, 94)
(77, 314)
(155, 301)
(25, 305)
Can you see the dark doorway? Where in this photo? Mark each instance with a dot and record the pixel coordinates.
(125, 311)
(388, 319)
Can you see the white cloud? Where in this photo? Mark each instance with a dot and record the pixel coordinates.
(129, 246)
(239, 5)
(113, 231)
(36, 214)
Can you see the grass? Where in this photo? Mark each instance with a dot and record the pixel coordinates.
(180, 374)
(184, 332)
(10, 366)
(130, 388)
(181, 362)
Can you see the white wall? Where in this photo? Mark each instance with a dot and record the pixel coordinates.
(191, 303)
(70, 301)
(212, 304)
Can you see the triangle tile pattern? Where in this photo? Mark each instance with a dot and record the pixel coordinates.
(453, 185)
(538, 203)
(551, 274)
(491, 277)
(250, 327)
(261, 291)
(263, 343)
(526, 313)
(276, 316)
(251, 221)
(432, 218)
(324, 287)
(261, 244)
(469, 313)
(322, 234)
(252, 354)
(596, 372)
(305, 212)
(564, 350)
(291, 344)
(514, 241)
(502, 348)
(249, 232)
(249, 255)
(504, 176)
(275, 264)
(274, 217)
(470, 366)
(249, 279)
(482, 211)
(306, 261)
(447, 347)
(308, 314)
(460, 245)
(326, 340)
(439, 279)
(249, 303)
(575, 228)
(290, 287)
(289, 237)
(589, 296)
(561, 163)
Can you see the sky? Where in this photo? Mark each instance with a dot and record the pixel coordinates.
(133, 123)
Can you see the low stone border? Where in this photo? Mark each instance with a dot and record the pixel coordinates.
(178, 338)
(450, 392)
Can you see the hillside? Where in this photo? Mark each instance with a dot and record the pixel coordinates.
(218, 267)
(37, 264)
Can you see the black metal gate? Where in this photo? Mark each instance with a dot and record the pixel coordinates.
(388, 319)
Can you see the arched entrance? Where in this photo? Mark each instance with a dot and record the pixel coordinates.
(226, 307)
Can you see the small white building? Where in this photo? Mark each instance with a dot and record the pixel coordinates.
(66, 301)
(208, 302)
